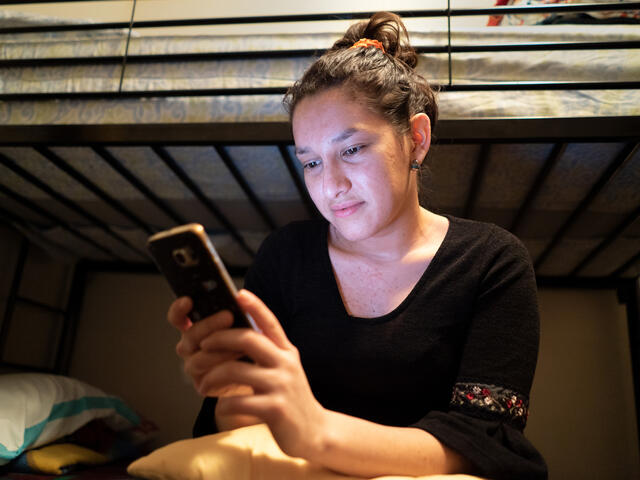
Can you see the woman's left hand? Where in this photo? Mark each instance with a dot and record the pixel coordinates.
(282, 396)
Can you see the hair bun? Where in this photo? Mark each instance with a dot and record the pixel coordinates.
(387, 28)
(388, 82)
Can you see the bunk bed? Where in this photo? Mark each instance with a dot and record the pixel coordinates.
(109, 133)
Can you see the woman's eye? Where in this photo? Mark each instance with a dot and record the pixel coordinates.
(311, 165)
(352, 150)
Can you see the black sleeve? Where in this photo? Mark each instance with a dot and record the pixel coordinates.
(259, 280)
(206, 420)
(489, 404)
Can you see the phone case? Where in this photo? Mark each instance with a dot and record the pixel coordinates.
(191, 265)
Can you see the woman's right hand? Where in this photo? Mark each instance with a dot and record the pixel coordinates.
(196, 361)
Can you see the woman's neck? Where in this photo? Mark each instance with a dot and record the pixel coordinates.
(397, 241)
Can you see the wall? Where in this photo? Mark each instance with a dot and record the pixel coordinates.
(126, 346)
(583, 413)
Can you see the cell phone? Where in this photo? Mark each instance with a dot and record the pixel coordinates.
(193, 268)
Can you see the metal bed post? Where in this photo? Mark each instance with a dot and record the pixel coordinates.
(629, 294)
(71, 316)
(13, 295)
(126, 48)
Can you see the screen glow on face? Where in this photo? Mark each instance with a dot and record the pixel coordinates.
(356, 166)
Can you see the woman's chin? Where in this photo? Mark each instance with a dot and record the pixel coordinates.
(351, 231)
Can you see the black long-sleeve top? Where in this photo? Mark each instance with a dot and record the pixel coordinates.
(456, 358)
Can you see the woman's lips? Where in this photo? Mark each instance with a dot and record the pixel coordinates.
(342, 211)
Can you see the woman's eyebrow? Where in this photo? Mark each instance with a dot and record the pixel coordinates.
(338, 138)
(344, 135)
(301, 151)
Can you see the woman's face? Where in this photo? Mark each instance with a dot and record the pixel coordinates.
(356, 166)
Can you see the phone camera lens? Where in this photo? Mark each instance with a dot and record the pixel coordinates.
(185, 257)
(180, 258)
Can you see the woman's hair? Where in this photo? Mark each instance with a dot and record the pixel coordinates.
(386, 81)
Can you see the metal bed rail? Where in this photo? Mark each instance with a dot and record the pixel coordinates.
(557, 131)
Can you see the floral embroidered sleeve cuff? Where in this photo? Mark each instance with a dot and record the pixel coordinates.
(491, 402)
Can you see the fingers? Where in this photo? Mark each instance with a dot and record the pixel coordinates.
(264, 318)
(255, 345)
(200, 362)
(192, 337)
(178, 311)
(236, 373)
(211, 349)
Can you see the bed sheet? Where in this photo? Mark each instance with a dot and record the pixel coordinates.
(467, 68)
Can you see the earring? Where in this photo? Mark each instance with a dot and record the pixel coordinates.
(415, 165)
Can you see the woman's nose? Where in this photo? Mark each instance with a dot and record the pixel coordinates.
(335, 181)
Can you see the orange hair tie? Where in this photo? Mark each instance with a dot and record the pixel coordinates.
(366, 43)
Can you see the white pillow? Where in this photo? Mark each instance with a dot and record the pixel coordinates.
(36, 409)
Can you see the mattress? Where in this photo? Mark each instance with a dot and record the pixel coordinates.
(615, 65)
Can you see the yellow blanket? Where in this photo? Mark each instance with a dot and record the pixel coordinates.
(58, 458)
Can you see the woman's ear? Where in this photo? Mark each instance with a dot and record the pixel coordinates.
(421, 136)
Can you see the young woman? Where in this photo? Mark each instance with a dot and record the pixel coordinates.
(394, 340)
